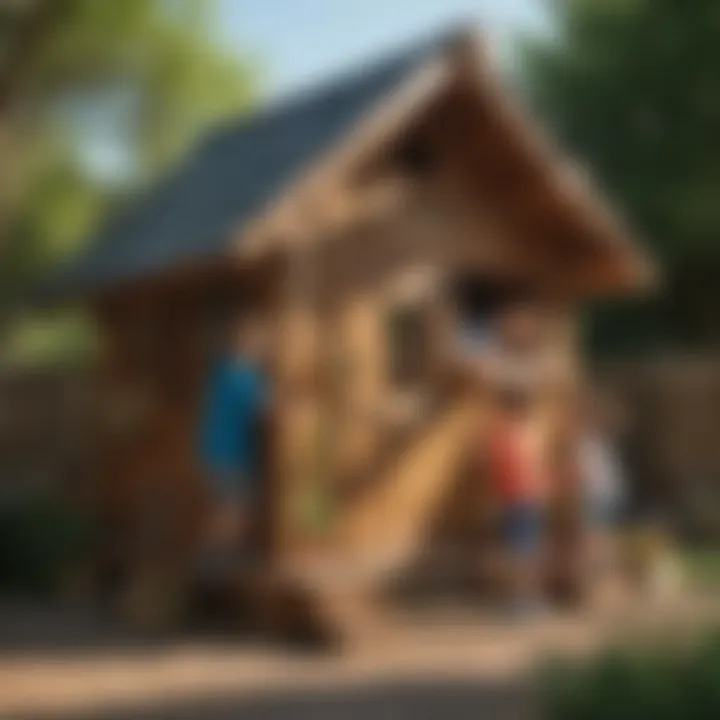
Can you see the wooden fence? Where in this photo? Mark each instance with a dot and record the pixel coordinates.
(47, 422)
(672, 437)
(672, 441)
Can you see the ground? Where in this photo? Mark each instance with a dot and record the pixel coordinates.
(61, 663)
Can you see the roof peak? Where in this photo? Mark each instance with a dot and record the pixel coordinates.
(413, 51)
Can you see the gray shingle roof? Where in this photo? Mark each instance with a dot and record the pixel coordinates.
(230, 176)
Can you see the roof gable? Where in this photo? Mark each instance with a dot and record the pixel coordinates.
(236, 173)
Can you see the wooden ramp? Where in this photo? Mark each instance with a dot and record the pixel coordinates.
(387, 526)
(381, 531)
(330, 596)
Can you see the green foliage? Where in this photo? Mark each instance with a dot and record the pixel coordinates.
(630, 86)
(670, 682)
(65, 336)
(703, 567)
(117, 93)
(160, 56)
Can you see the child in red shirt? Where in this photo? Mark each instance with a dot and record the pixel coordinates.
(517, 474)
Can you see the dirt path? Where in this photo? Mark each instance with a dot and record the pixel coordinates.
(55, 664)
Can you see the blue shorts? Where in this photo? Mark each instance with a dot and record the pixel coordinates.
(523, 528)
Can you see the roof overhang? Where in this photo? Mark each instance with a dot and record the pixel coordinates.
(551, 190)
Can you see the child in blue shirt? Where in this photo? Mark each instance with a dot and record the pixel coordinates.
(230, 436)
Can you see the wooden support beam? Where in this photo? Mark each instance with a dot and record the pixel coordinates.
(296, 411)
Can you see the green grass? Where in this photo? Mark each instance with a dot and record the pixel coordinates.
(674, 678)
(702, 567)
(670, 681)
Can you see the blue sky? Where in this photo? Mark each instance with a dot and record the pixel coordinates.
(303, 41)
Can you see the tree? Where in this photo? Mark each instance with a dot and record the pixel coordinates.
(631, 87)
(23, 27)
(112, 94)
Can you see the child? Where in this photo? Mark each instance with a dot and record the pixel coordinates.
(601, 480)
(514, 367)
(230, 442)
(519, 487)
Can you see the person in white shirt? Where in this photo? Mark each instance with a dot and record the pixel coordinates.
(602, 482)
(601, 472)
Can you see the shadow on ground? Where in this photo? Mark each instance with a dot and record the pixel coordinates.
(54, 637)
(28, 630)
(392, 701)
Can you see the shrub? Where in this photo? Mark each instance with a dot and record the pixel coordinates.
(659, 683)
(41, 540)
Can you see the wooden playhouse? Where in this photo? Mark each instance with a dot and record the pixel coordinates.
(356, 219)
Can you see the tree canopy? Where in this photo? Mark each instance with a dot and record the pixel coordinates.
(630, 86)
(114, 93)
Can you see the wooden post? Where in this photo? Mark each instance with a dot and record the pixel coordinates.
(296, 370)
(363, 379)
